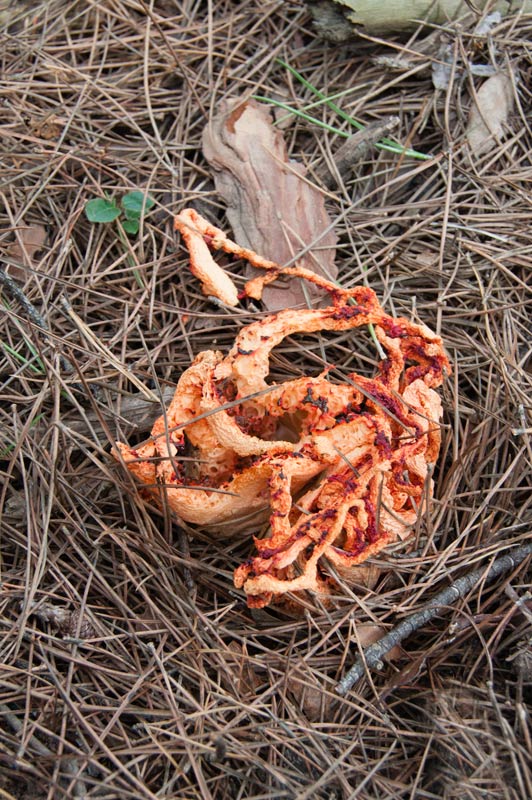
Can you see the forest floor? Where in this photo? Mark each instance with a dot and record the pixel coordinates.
(130, 666)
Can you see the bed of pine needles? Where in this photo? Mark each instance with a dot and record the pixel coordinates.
(130, 667)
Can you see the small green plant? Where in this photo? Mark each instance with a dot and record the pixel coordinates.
(132, 207)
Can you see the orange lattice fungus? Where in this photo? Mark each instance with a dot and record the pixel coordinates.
(361, 461)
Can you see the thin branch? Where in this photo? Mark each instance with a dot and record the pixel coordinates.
(17, 294)
(372, 656)
(35, 316)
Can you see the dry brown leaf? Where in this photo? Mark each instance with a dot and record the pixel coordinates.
(271, 208)
(134, 410)
(313, 700)
(489, 113)
(29, 241)
(240, 677)
(426, 258)
(407, 675)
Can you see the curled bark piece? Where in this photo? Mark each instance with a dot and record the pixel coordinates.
(368, 443)
(272, 210)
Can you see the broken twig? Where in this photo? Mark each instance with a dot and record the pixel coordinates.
(372, 656)
(17, 294)
(354, 150)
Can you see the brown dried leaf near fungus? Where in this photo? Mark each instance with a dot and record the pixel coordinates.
(362, 461)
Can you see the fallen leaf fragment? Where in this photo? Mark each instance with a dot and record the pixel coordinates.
(489, 113)
(442, 67)
(30, 239)
(238, 674)
(271, 208)
(367, 444)
(316, 703)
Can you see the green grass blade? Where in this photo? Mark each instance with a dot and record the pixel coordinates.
(385, 144)
(337, 110)
(302, 114)
(38, 368)
(6, 451)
